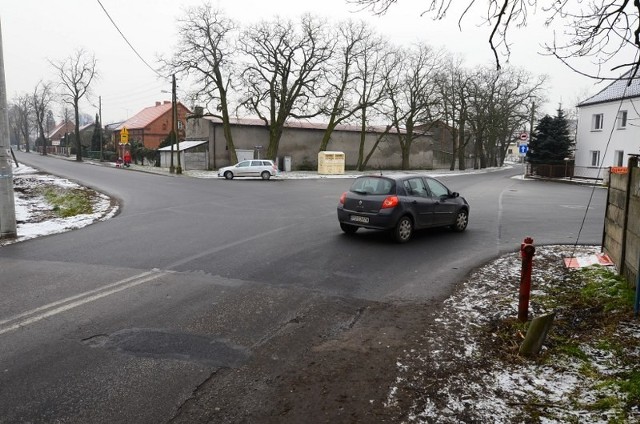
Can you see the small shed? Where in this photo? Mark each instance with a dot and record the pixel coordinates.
(194, 155)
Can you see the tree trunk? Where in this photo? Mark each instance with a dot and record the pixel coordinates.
(76, 109)
(462, 144)
(454, 149)
(406, 152)
(226, 125)
(327, 134)
(363, 137)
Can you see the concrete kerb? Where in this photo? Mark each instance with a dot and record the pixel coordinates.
(300, 175)
(575, 181)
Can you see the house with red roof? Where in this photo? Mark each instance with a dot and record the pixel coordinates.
(56, 137)
(152, 125)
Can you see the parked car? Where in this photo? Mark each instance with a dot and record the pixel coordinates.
(401, 204)
(262, 168)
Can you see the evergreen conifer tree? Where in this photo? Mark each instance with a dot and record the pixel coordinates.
(96, 137)
(550, 142)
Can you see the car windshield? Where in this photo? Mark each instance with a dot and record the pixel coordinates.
(372, 185)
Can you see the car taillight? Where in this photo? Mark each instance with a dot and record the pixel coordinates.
(390, 202)
(343, 197)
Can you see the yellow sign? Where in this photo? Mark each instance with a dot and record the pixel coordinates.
(124, 135)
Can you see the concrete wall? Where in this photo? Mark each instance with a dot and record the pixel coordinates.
(620, 243)
(302, 145)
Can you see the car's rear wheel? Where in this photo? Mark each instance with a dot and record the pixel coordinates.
(265, 175)
(462, 220)
(404, 229)
(228, 175)
(348, 229)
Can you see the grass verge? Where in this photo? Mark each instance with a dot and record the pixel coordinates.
(68, 202)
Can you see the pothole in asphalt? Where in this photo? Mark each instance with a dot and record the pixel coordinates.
(161, 344)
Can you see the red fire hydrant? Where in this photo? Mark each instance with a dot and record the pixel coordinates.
(527, 250)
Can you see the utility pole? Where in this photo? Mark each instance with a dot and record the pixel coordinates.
(7, 202)
(173, 121)
(174, 124)
(100, 132)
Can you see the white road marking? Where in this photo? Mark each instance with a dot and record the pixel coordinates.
(54, 308)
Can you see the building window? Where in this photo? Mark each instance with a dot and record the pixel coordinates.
(595, 158)
(597, 122)
(618, 158)
(622, 119)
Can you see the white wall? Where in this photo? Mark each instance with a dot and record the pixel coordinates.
(589, 139)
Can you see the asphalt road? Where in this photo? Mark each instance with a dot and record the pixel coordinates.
(124, 320)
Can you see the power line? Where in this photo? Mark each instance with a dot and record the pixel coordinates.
(127, 41)
(600, 167)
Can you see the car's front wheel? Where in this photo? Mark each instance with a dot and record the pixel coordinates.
(265, 175)
(462, 220)
(404, 229)
(228, 175)
(348, 229)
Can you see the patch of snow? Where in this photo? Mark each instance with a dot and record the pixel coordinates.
(27, 207)
(467, 386)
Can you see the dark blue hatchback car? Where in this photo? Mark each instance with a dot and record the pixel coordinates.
(401, 204)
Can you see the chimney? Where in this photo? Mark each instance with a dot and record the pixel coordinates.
(166, 102)
(157, 103)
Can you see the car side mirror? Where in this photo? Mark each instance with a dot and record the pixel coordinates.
(454, 194)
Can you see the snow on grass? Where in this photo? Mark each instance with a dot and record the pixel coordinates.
(35, 217)
(458, 372)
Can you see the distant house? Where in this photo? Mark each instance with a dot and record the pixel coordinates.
(152, 125)
(58, 136)
(608, 128)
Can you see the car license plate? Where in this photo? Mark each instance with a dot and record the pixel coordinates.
(358, 218)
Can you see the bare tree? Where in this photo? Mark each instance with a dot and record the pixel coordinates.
(500, 103)
(283, 72)
(23, 115)
(76, 73)
(452, 83)
(42, 98)
(597, 28)
(413, 96)
(205, 52)
(349, 75)
(376, 67)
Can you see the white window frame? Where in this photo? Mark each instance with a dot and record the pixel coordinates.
(622, 120)
(597, 121)
(618, 158)
(595, 157)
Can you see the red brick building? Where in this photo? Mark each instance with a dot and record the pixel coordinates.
(152, 125)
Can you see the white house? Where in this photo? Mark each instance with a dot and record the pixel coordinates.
(608, 128)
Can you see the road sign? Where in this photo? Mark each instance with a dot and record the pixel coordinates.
(523, 149)
(124, 135)
(524, 136)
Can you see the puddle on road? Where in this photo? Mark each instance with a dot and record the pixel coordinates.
(161, 344)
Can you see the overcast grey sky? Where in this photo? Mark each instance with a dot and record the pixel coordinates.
(35, 31)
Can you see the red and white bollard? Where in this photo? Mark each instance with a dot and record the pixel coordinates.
(527, 250)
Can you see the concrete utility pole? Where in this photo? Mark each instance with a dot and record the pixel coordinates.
(7, 203)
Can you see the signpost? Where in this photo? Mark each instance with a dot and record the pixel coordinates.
(523, 149)
(124, 135)
(124, 140)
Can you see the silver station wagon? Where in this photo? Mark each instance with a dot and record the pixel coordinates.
(261, 168)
